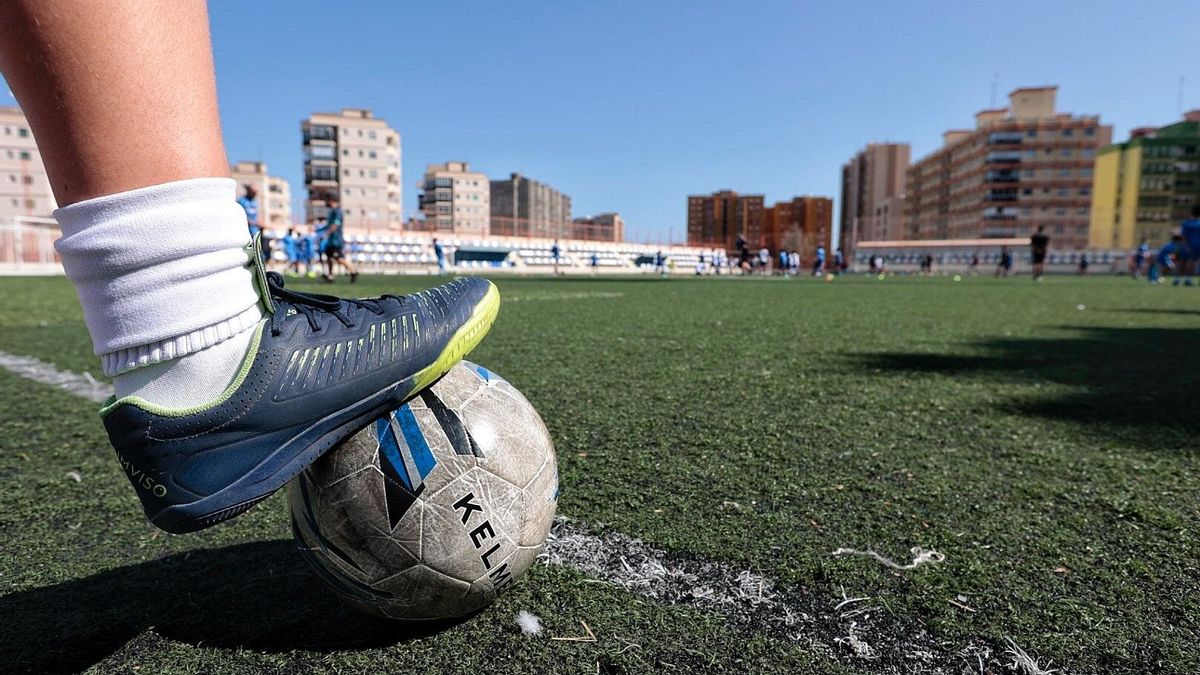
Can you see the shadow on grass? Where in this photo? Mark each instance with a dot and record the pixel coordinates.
(259, 596)
(1139, 384)
(1152, 310)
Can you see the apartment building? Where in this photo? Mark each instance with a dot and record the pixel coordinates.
(354, 156)
(522, 207)
(24, 186)
(600, 227)
(799, 224)
(720, 219)
(274, 193)
(1145, 187)
(1021, 167)
(872, 203)
(455, 200)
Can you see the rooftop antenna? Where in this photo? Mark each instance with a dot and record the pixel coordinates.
(995, 85)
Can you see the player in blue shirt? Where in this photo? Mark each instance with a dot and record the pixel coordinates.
(1166, 259)
(440, 254)
(291, 246)
(784, 266)
(819, 263)
(249, 203)
(335, 242)
(310, 250)
(1139, 258)
(595, 262)
(1190, 231)
(555, 252)
(839, 262)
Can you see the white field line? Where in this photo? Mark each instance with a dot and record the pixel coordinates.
(845, 629)
(84, 386)
(579, 295)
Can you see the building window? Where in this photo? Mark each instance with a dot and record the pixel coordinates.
(1068, 132)
(372, 154)
(28, 180)
(1064, 173)
(373, 173)
(25, 154)
(371, 134)
(1032, 133)
(29, 203)
(1090, 131)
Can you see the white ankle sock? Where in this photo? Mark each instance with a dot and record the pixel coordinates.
(162, 273)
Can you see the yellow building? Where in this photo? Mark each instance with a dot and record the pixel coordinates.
(1143, 188)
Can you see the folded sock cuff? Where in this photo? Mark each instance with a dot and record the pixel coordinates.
(160, 271)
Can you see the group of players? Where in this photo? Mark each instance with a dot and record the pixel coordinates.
(1179, 257)
(321, 244)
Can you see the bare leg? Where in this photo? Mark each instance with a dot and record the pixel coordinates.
(120, 94)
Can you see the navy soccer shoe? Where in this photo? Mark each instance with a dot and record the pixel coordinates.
(318, 369)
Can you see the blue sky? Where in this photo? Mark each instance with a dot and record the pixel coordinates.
(631, 106)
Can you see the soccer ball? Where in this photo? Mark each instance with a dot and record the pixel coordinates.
(433, 509)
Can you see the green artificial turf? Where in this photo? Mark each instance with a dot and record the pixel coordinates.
(1043, 437)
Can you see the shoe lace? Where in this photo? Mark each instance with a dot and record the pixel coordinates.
(312, 305)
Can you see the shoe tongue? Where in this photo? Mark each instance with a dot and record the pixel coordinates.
(254, 253)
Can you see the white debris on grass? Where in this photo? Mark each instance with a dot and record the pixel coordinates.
(842, 628)
(75, 476)
(84, 386)
(920, 557)
(1023, 663)
(861, 649)
(530, 624)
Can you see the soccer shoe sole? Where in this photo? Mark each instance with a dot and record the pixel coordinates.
(300, 451)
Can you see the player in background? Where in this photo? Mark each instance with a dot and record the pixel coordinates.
(439, 254)
(196, 335)
(839, 262)
(1083, 264)
(1189, 230)
(819, 263)
(249, 203)
(794, 262)
(785, 267)
(334, 247)
(973, 268)
(1005, 264)
(1038, 244)
(555, 252)
(1167, 260)
(1139, 259)
(660, 263)
(312, 251)
(291, 246)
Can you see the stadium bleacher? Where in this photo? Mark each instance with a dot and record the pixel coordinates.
(413, 254)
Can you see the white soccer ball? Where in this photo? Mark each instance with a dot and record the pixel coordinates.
(432, 510)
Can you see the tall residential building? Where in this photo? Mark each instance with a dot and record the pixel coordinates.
(355, 156)
(24, 187)
(274, 193)
(872, 205)
(601, 227)
(526, 208)
(800, 224)
(1021, 167)
(455, 199)
(720, 219)
(1147, 185)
